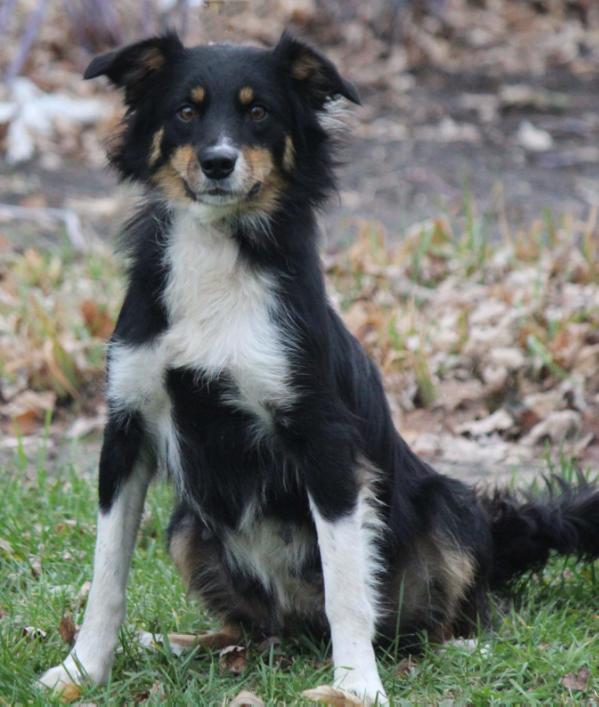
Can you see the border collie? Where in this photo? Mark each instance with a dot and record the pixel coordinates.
(300, 507)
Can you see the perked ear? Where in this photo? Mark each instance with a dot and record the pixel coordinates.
(131, 66)
(312, 72)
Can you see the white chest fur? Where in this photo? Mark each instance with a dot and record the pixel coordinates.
(221, 319)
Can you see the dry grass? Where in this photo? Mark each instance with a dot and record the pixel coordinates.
(489, 348)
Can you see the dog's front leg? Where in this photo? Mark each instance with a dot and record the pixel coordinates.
(124, 478)
(349, 570)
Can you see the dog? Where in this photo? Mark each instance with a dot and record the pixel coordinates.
(300, 507)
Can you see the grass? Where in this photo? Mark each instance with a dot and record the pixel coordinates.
(46, 548)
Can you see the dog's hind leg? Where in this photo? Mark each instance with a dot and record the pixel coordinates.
(125, 474)
(349, 567)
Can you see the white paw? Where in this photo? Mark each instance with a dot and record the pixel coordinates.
(369, 689)
(72, 672)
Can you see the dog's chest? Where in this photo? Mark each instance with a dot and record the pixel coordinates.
(222, 325)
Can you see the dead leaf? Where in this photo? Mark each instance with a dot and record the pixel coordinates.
(329, 695)
(405, 666)
(499, 421)
(34, 633)
(66, 523)
(246, 698)
(64, 374)
(452, 394)
(34, 200)
(28, 410)
(233, 659)
(69, 693)
(157, 691)
(84, 426)
(534, 139)
(83, 593)
(558, 427)
(97, 320)
(67, 629)
(578, 680)
(6, 547)
(36, 566)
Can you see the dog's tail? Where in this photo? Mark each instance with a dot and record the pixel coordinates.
(525, 529)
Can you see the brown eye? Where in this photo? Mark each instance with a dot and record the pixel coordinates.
(186, 113)
(257, 113)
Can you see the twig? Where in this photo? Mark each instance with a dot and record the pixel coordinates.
(31, 31)
(183, 10)
(5, 10)
(147, 21)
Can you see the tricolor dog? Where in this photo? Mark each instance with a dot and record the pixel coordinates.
(300, 507)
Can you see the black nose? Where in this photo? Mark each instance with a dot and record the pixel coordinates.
(218, 162)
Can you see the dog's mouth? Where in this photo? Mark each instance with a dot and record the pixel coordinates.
(219, 196)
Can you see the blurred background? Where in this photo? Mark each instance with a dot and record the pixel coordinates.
(462, 247)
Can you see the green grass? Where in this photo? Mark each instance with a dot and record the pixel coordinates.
(552, 630)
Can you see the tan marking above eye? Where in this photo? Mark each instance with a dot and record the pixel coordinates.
(198, 94)
(246, 95)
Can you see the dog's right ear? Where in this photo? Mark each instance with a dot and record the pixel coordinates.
(132, 66)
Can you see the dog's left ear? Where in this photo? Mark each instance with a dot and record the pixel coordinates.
(312, 73)
(132, 66)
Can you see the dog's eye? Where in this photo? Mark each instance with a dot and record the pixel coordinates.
(186, 113)
(257, 113)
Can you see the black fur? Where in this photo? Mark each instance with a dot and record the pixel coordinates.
(526, 530)
(340, 416)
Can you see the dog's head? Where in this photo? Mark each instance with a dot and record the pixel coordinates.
(226, 126)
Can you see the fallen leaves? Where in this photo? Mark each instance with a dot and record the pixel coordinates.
(97, 319)
(28, 409)
(69, 693)
(6, 548)
(67, 629)
(533, 139)
(246, 699)
(82, 594)
(33, 115)
(488, 349)
(406, 666)
(329, 695)
(577, 681)
(55, 315)
(233, 659)
(34, 633)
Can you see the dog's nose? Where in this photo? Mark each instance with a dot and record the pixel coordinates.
(218, 162)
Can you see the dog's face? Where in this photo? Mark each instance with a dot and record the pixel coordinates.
(221, 125)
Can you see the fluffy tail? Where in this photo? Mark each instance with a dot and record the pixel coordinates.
(526, 529)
